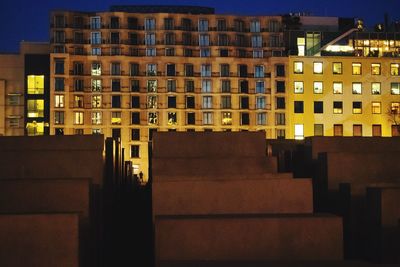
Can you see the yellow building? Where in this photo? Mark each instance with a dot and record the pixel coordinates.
(134, 70)
(342, 96)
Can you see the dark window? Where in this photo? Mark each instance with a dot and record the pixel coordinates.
(79, 85)
(280, 70)
(114, 23)
(171, 85)
(134, 71)
(318, 129)
(132, 23)
(135, 102)
(170, 69)
(116, 101)
(223, 40)
(376, 130)
(115, 37)
(169, 38)
(169, 51)
(116, 133)
(135, 86)
(115, 69)
(338, 130)
(280, 103)
(59, 131)
(225, 86)
(239, 25)
(171, 101)
(225, 102)
(242, 69)
(244, 102)
(59, 84)
(189, 70)
(298, 106)
(133, 39)
(135, 117)
(244, 118)
(116, 85)
(135, 151)
(135, 134)
(187, 38)
(189, 86)
(279, 118)
(221, 25)
(318, 107)
(187, 52)
(190, 102)
(224, 68)
(191, 118)
(168, 23)
(223, 52)
(280, 86)
(59, 67)
(186, 24)
(78, 38)
(244, 87)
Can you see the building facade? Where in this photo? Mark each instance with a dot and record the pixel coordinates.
(132, 71)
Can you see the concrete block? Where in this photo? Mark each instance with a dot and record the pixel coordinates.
(241, 238)
(249, 196)
(42, 240)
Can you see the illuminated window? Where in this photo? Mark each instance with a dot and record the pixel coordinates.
(298, 107)
(96, 85)
(395, 88)
(298, 67)
(96, 117)
(151, 101)
(35, 108)
(318, 67)
(172, 118)
(259, 71)
(35, 128)
(59, 117)
(376, 130)
(301, 42)
(337, 68)
(78, 118)
(394, 69)
(376, 69)
(318, 130)
(298, 131)
(376, 108)
(318, 87)
(337, 87)
(153, 118)
(226, 118)
(59, 101)
(260, 102)
(357, 130)
(357, 88)
(356, 68)
(135, 151)
(357, 107)
(337, 107)
(207, 102)
(96, 101)
(35, 84)
(78, 101)
(96, 69)
(338, 130)
(207, 118)
(298, 87)
(203, 25)
(152, 86)
(376, 88)
(261, 118)
(116, 117)
(395, 107)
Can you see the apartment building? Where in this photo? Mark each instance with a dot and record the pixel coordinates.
(134, 70)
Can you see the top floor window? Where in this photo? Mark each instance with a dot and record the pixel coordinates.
(59, 21)
(186, 24)
(273, 26)
(168, 24)
(149, 24)
(255, 26)
(95, 22)
(114, 23)
(203, 25)
(221, 25)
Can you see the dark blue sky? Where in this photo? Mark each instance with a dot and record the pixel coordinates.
(29, 19)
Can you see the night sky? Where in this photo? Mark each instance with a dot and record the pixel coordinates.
(29, 19)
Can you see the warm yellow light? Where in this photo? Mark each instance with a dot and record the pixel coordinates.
(35, 84)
